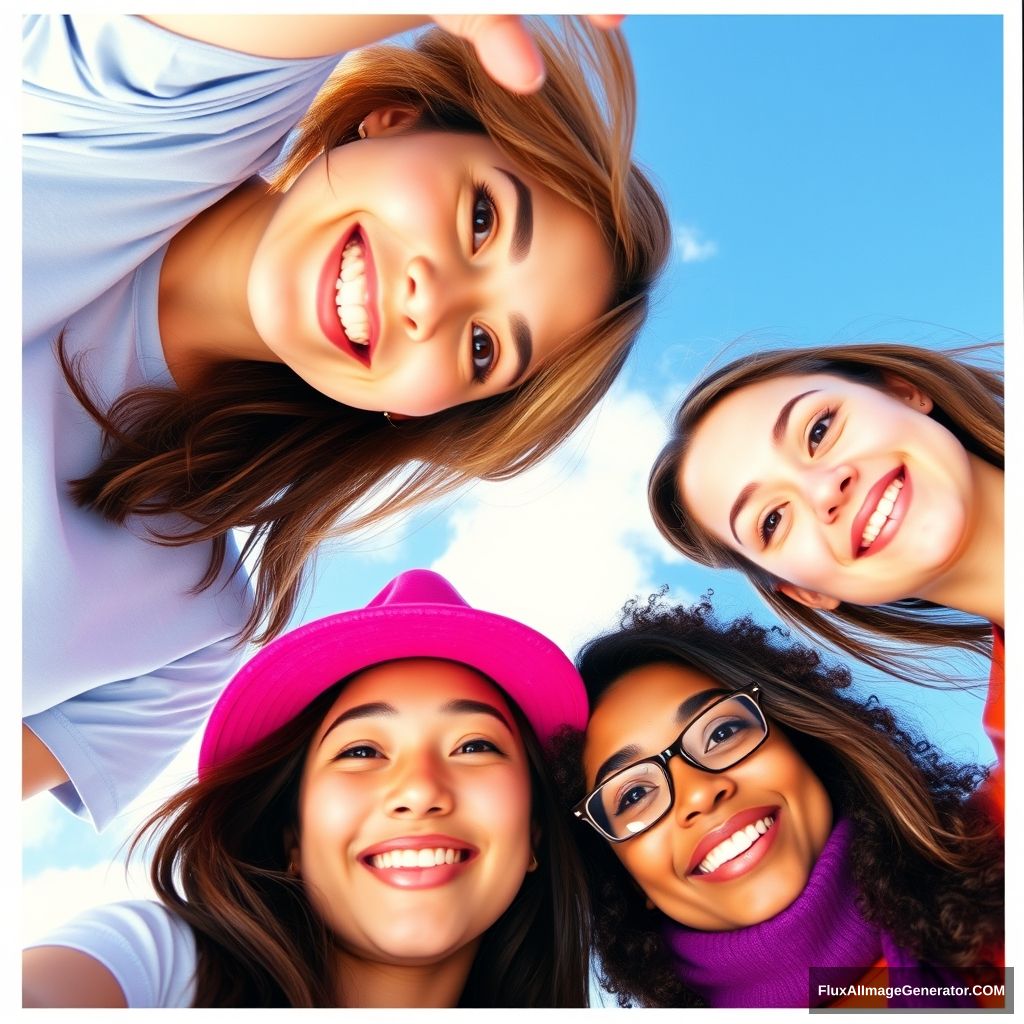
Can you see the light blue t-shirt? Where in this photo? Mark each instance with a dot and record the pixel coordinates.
(130, 131)
(150, 951)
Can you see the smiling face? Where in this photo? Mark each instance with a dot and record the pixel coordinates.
(681, 862)
(414, 813)
(846, 492)
(460, 273)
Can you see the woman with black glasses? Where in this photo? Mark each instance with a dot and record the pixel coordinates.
(758, 838)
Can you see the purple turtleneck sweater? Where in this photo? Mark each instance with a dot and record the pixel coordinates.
(767, 963)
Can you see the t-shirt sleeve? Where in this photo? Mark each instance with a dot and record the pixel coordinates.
(128, 131)
(115, 739)
(149, 950)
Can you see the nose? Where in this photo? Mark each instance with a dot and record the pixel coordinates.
(420, 789)
(433, 296)
(828, 488)
(697, 792)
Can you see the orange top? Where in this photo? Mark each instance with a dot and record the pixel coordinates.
(993, 792)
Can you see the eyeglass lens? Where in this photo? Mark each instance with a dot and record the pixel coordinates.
(633, 799)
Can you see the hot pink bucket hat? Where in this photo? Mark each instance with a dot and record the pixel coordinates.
(419, 614)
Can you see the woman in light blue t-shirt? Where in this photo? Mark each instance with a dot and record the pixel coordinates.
(437, 284)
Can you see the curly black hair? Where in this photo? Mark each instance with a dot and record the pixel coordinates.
(926, 857)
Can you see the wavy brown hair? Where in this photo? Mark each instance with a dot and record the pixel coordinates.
(254, 446)
(927, 860)
(221, 864)
(968, 401)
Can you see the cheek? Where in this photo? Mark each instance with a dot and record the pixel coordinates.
(425, 382)
(330, 815)
(648, 859)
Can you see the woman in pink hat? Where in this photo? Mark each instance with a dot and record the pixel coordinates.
(372, 825)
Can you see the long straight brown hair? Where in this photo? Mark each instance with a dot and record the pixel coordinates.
(257, 448)
(220, 863)
(926, 857)
(968, 401)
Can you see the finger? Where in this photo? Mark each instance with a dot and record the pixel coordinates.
(606, 21)
(505, 48)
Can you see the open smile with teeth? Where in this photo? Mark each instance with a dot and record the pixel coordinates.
(880, 516)
(352, 295)
(418, 858)
(739, 842)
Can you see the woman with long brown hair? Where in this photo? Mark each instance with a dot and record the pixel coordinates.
(867, 509)
(373, 825)
(757, 833)
(437, 285)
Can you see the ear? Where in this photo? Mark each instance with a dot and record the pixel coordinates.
(904, 391)
(810, 598)
(392, 120)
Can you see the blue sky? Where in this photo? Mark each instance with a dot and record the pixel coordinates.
(828, 178)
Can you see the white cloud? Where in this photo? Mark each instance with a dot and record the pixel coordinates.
(40, 820)
(692, 248)
(53, 897)
(562, 546)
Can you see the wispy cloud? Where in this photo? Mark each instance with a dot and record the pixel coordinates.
(564, 545)
(691, 246)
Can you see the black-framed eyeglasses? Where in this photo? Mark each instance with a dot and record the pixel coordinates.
(637, 797)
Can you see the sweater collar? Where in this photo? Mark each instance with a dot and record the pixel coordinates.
(821, 927)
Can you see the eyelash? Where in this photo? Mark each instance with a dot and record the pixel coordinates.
(479, 335)
(482, 193)
(763, 530)
(349, 753)
(821, 417)
(490, 744)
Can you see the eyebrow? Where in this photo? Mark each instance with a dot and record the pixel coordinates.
(522, 232)
(475, 707)
(372, 710)
(628, 755)
(778, 433)
(522, 340)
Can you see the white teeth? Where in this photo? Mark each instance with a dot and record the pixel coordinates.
(416, 858)
(736, 844)
(352, 295)
(883, 510)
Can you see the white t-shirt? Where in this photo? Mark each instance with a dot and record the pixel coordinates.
(129, 132)
(148, 949)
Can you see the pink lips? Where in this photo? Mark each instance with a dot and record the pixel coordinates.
(419, 877)
(745, 861)
(327, 305)
(892, 524)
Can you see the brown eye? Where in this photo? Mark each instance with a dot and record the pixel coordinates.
(819, 430)
(484, 216)
(483, 353)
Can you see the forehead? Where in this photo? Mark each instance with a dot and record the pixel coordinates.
(639, 709)
(417, 686)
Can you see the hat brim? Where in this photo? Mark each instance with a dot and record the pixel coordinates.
(286, 675)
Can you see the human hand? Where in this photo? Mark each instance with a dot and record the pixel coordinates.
(505, 47)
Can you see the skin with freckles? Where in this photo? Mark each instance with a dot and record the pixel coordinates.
(817, 453)
(410, 749)
(469, 254)
(641, 710)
